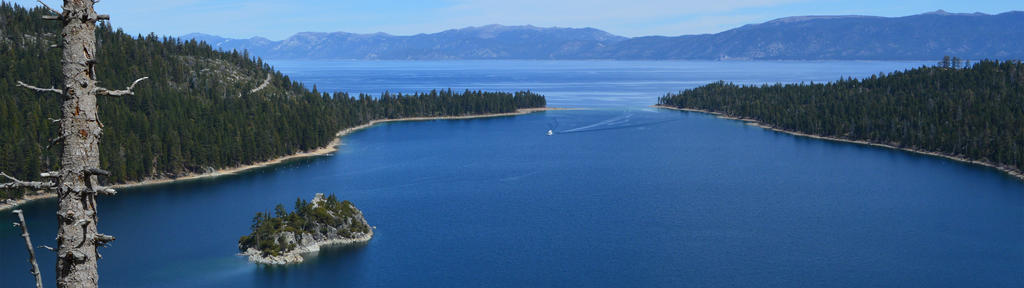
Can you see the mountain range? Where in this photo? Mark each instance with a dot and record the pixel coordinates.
(925, 36)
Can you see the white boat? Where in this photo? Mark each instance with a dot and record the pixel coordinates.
(551, 132)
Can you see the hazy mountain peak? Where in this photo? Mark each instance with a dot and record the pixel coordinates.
(941, 12)
(921, 36)
(194, 35)
(795, 19)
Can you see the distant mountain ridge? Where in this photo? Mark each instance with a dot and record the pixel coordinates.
(485, 42)
(925, 36)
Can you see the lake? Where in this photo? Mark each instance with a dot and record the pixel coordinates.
(621, 196)
(570, 83)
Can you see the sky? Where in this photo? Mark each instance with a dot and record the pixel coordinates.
(278, 19)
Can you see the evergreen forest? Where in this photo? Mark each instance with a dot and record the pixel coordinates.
(309, 218)
(968, 111)
(198, 111)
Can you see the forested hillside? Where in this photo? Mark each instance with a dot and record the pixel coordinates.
(975, 113)
(195, 113)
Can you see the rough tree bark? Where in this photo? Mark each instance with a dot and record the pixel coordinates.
(76, 182)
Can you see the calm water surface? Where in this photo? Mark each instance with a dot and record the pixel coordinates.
(620, 196)
(570, 83)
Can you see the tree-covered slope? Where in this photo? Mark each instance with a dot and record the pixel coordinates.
(195, 112)
(975, 113)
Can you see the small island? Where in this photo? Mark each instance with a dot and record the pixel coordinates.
(283, 238)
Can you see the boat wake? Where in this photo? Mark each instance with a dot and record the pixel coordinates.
(625, 121)
(614, 121)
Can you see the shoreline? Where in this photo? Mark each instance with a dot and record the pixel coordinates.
(752, 122)
(295, 256)
(325, 150)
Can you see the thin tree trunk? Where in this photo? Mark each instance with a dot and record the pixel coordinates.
(28, 245)
(76, 212)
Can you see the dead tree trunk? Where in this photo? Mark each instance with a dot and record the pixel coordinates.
(80, 129)
(28, 244)
(76, 183)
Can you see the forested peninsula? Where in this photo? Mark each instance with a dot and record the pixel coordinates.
(971, 113)
(199, 111)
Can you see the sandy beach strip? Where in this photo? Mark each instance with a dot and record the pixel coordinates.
(325, 150)
(1006, 169)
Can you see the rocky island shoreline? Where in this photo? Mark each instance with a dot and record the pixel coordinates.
(285, 237)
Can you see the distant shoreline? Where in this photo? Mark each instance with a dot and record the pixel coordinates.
(328, 149)
(1005, 169)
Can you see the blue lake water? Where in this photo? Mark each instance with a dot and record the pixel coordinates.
(621, 196)
(570, 83)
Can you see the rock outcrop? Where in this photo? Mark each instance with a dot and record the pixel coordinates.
(286, 237)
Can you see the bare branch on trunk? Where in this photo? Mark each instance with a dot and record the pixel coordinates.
(95, 171)
(28, 245)
(15, 183)
(54, 141)
(117, 93)
(37, 89)
(105, 191)
(102, 239)
(48, 7)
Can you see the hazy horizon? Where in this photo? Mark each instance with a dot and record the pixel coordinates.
(573, 27)
(247, 19)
